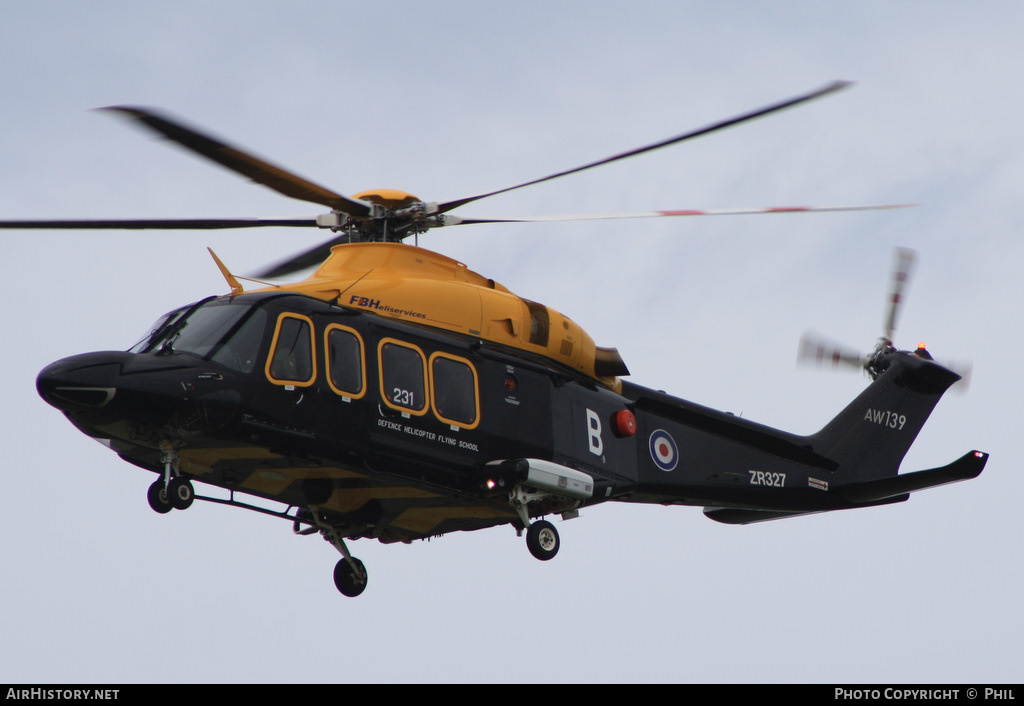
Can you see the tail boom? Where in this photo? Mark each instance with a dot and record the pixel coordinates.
(745, 472)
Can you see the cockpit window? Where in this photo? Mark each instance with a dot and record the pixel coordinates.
(241, 348)
(205, 328)
(219, 330)
(162, 324)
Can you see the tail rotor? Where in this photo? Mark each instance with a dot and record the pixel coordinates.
(818, 351)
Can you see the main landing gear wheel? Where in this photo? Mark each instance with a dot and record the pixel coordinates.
(350, 580)
(542, 540)
(158, 498)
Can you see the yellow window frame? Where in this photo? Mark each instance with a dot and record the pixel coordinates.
(426, 378)
(362, 361)
(273, 350)
(476, 391)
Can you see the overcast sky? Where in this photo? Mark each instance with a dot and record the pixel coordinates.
(448, 99)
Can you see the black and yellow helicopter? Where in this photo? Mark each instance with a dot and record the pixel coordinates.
(395, 394)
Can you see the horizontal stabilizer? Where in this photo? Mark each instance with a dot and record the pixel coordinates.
(883, 491)
(966, 467)
(748, 516)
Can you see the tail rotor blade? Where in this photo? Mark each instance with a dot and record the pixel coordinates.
(964, 371)
(902, 268)
(815, 350)
(961, 368)
(819, 351)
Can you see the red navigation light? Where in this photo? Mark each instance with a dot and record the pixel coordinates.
(624, 423)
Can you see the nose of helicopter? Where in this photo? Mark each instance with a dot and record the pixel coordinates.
(82, 382)
(120, 394)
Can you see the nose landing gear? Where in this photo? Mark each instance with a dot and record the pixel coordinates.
(172, 491)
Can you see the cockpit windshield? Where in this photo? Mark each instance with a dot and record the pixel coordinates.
(223, 330)
(161, 325)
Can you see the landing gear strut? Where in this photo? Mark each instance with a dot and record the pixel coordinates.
(541, 536)
(349, 573)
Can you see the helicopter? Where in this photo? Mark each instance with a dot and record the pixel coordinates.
(395, 394)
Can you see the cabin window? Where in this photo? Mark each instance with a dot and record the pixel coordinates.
(345, 371)
(403, 376)
(453, 390)
(291, 353)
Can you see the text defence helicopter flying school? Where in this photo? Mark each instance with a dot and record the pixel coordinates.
(395, 394)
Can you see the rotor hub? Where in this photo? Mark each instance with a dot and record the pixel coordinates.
(391, 199)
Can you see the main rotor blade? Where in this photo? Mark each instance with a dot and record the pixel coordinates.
(457, 220)
(259, 170)
(902, 268)
(160, 224)
(825, 90)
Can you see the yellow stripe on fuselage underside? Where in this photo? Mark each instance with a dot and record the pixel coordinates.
(351, 499)
(425, 520)
(274, 480)
(197, 462)
(271, 481)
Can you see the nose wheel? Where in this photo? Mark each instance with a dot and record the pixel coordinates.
(158, 497)
(178, 496)
(181, 493)
(171, 491)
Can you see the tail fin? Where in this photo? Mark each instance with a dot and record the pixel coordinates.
(871, 436)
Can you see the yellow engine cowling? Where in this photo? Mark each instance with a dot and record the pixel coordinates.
(416, 285)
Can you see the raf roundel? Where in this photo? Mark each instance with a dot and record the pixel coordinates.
(663, 450)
